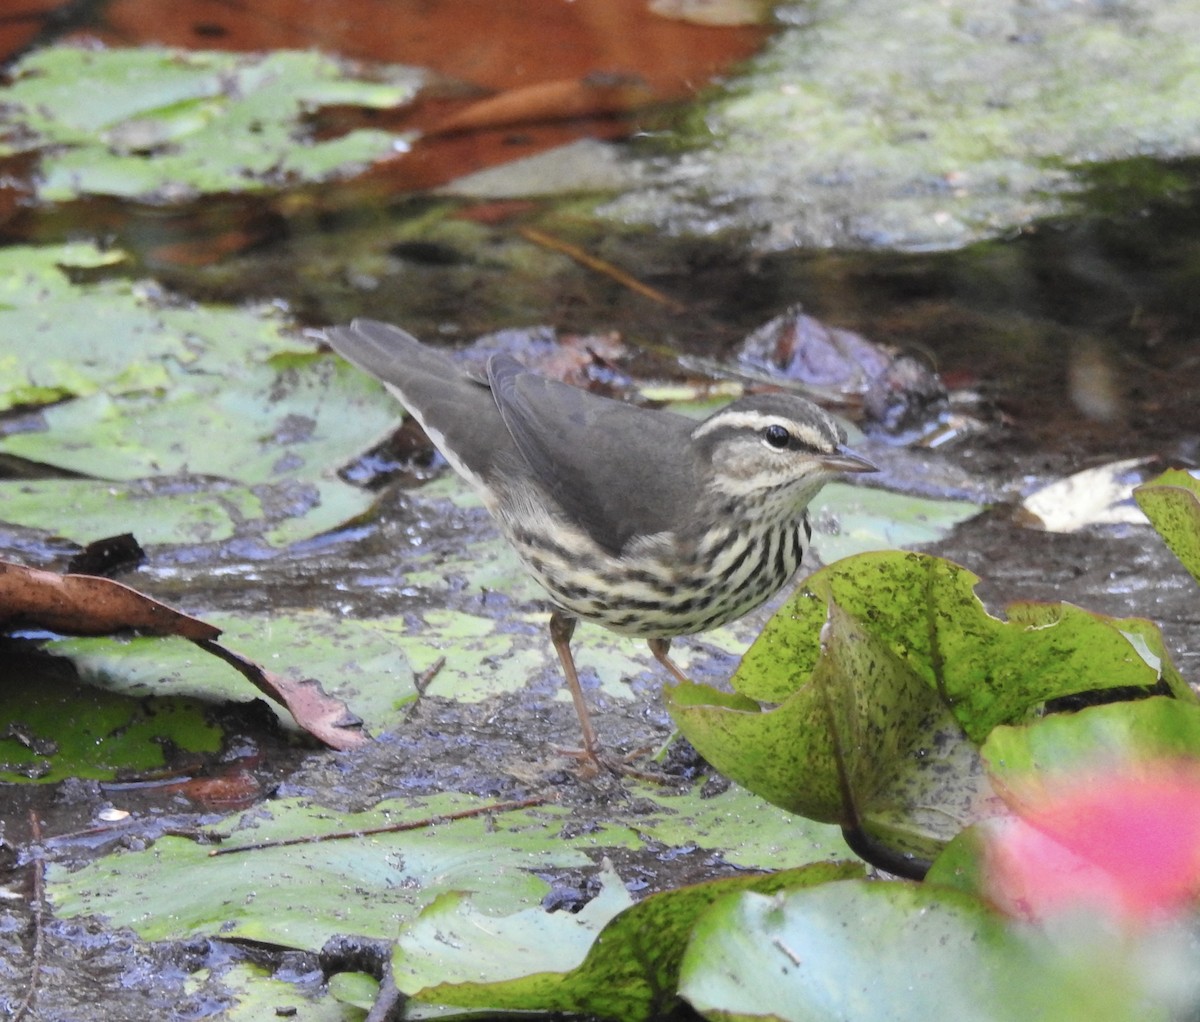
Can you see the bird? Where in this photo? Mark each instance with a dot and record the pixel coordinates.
(645, 521)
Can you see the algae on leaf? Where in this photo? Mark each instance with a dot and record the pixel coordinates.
(196, 422)
(161, 124)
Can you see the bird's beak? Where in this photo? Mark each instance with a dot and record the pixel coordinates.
(845, 460)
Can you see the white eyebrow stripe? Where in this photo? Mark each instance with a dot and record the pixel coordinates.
(742, 420)
(755, 421)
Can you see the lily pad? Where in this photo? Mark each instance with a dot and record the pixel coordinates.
(858, 950)
(206, 422)
(292, 417)
(1172, 503)
(1028, 762)
(854, 519)
(165, 124)
(631, 971)
(864, 700)
(369, 885)
(56, 728)
(357, 661)
(63, 331)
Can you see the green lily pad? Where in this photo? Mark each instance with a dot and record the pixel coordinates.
(249, 993)
(453, 941)
(864, 700)
(164, 124)
(854, 519)
(1095, 740)
(742, 827)
(988, 670)
(360, 662)
(631, 971)
(369, 885)
(854, 746)
(62, 332)
(1172, 503)
(866, 951)
(293, 417)
(205, 422)
(56, 728)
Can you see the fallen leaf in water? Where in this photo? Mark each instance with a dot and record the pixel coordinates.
(564, 99)
(713, 12)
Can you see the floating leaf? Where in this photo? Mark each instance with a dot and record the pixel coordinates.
(1107, 804)
(1030, 762)
(925, 609)
(865, 697)
(55, 728)
(368, 885)
(853, 746)
(865, 951)
(631, 972)
(1172, 503)
(164, 124)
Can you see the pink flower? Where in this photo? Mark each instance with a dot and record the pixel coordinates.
(1126, 843)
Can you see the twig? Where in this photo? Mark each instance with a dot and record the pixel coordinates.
(600, 266)
(422, 679)
(391, 828)
(37, 909)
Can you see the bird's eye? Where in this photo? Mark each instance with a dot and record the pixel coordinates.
(777, 436)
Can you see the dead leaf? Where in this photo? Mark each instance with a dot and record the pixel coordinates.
(560, 100)
(323, 716)
(87, 605)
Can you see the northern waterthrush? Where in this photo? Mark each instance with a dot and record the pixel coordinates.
(647, 522)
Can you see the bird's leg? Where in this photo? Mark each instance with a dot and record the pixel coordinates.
(562, 627)
(661, 648)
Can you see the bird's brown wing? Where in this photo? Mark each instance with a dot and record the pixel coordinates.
(616, 469)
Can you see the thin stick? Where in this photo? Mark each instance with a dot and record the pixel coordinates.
(391, 828)
(37, 907)
(600, 266)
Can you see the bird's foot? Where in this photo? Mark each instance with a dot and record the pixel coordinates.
(595, 762)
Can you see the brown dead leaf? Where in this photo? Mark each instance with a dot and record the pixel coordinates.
(87, 605)
(565, 99)
(323, 716)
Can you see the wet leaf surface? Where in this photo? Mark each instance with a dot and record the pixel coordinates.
(632, 968)
(55, 729)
